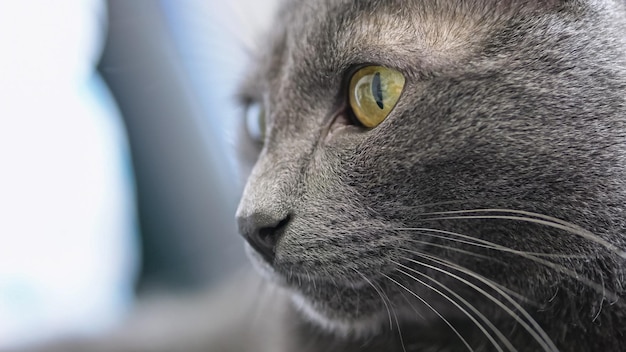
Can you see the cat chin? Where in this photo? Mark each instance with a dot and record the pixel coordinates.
(361, 328)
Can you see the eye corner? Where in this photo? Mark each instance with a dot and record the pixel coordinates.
(349, 117)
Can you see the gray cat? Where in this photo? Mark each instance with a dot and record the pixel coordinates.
(443, 175)
(437, 175)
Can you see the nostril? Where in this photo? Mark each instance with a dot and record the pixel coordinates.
(264, 239)
(270, 235)
(267, 236)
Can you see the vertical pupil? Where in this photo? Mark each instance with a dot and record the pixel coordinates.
(377, 90)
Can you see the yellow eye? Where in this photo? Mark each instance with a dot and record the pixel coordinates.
(374, 91)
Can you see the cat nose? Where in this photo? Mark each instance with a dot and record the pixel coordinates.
(262, 231)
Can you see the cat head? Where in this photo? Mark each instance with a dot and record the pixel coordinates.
(501, 165)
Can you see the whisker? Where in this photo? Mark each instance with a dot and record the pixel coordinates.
(358, 299)
(311, 281)
(602, 301)
(412, 306)
(562, 225)
(477, 242)
(537, 333)
(379, 293)
(503, 210)
(395, 317)
(559, 268)
(473, 254)
(434, 311)
(456, 304)
(384, 296)
(506, 289)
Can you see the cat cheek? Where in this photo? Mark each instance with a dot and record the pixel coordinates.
(338, 126)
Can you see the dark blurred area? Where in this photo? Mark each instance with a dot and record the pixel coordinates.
(186, 189)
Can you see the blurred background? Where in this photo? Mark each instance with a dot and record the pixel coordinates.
(118, 176)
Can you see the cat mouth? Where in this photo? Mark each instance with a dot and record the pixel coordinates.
(328, 302)
(301, 282)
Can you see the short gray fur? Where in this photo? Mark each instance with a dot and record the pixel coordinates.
(509, 105)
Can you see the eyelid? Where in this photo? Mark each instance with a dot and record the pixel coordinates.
(350, 70)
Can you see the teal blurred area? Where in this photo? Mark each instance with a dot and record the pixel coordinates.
(118, 174)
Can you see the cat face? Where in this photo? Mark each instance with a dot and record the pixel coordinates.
(498, 174)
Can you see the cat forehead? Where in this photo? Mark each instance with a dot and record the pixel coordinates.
(330, 34)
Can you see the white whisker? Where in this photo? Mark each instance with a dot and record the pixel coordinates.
(456, 304)
(477, 242)
(434, 311)
(537, 333)
(502, 210)
(560, 268)
(380, 294)
(395, 317)
(412, 306)
(450, 248)
(602, 301)
(568, 227)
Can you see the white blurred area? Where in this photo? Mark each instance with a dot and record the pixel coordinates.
(67, 228)
(215, 40)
